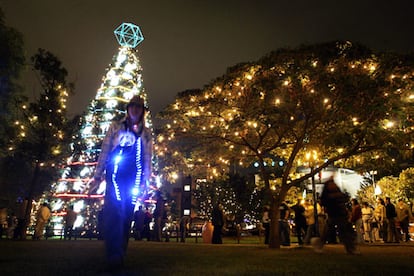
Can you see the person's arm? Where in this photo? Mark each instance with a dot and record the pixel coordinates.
(147, 155)
(106, 147)
(103, 155)
(353, 214)
(287, 214)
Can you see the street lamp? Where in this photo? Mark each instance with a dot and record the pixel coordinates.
(377, 189)
(312, 156)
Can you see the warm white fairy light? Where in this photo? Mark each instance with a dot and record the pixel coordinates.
(389, 124)
(174, 175)
(277, 101)
(355, 121)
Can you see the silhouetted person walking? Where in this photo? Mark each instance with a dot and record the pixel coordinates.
(218, 223)
(334, 201)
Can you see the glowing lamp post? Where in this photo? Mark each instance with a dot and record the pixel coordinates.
(312, 156)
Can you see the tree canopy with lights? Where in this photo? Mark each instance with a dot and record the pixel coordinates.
(43, 132)
(316, 105)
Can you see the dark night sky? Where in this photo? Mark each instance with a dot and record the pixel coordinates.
(190, 42)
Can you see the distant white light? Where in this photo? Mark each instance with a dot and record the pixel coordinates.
(130, 67)
(114, 81)
(87, 130)
(121, 58)
(126, 76)
(84, 171)
(78, 185)
(111, 104)
(78, 206)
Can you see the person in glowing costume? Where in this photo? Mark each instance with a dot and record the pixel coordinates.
(126, 159)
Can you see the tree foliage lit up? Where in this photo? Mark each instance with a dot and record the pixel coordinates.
(318, 105)
(42, 130)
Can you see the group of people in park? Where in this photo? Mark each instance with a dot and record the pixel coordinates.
(385, 222)
(338, 216)
(143, 218)
(13, 224)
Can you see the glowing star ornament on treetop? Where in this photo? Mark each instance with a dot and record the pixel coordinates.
(128, 35)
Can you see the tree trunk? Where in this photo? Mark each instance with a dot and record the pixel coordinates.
(28, 210)
(274, 239)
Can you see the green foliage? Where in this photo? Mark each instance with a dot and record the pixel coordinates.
(237, 196)
(401, 187)
(44, 132)
(12, 60)
(407, 184)
(208, 194)
(11, 56)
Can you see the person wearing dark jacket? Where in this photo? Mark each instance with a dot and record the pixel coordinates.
(391, 214)
(334, 201)
(300, 220)
(139, 217)
(356, 219)
(217, 219)
(266, 223)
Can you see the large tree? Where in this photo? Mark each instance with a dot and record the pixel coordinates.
(44, 131)
(11, 65)
(311, 106)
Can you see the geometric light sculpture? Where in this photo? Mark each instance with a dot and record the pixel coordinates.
(128, 35)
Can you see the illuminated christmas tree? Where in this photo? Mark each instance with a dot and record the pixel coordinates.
(122, 81)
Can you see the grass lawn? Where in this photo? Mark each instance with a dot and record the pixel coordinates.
(86, 257)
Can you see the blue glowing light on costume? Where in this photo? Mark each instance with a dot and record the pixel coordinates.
(135, 189)
(128, 35)
(116, 186)
(118, 159)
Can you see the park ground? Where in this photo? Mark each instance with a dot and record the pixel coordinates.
(86, 257)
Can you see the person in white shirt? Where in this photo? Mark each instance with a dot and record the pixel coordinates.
(42, 217)
(367, 218)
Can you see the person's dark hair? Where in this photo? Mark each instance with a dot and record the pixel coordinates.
(136, 100)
